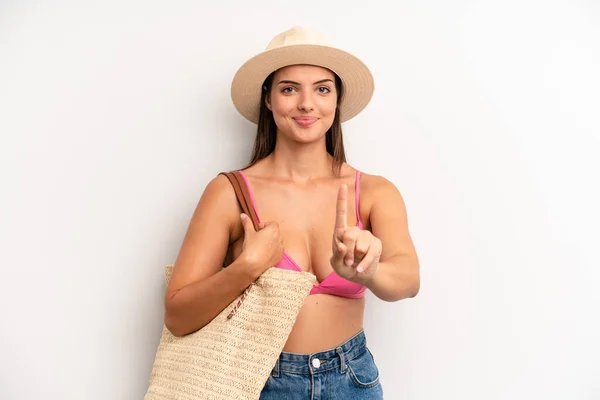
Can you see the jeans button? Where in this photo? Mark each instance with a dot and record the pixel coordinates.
(316, 363)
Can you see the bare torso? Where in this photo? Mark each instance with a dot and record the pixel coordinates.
(306, 217)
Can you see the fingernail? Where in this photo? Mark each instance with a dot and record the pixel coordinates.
(243, 216)
(349, 262)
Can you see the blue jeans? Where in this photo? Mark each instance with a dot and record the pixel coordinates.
(346, 372)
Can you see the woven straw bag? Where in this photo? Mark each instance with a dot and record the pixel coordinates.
(233, 355)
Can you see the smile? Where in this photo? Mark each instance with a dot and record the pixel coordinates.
(305, 121)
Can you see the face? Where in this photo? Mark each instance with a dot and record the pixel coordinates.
(303, 100)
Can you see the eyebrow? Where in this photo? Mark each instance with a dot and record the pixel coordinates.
(296, 83)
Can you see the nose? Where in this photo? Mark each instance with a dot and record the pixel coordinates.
(305, 101)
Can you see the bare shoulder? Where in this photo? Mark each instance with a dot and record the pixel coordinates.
(378, 189)
(211, 230)
(219, 199)
(387, 213)
(380, 199)
(217, 210)
(377, 183)
(219, 188)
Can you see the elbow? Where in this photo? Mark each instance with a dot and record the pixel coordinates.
(414, 283)
(172, 322)
(414, 279)
(414, 290)
(173, 326)
(178, 323)
(178, 327)
(414, 287)
(408, 291)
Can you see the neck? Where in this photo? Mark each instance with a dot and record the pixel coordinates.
(300, 162)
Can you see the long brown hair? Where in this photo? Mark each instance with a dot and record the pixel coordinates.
(266, 133)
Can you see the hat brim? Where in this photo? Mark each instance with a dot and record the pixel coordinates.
(356, 77)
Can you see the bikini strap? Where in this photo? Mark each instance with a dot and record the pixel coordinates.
(243, 194)
(357, 197)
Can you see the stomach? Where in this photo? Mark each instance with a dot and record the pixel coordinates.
(324, 322)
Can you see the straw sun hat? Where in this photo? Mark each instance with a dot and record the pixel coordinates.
(300, 45)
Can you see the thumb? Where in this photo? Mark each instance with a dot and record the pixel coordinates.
(247, 224)
(339, 251)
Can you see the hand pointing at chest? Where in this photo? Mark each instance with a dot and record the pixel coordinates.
(356, 252)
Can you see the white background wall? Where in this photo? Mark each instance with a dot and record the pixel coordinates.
(115, 115)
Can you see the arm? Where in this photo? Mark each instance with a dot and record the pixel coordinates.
(199, 288)
(383, 260)
(397, 275)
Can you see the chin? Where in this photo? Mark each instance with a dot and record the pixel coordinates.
(308, 135)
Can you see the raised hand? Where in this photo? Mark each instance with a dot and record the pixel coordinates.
(356, 252)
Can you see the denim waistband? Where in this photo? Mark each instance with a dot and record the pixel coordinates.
(322, 361)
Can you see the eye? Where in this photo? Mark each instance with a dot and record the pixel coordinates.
(287, 89)
(324, 89)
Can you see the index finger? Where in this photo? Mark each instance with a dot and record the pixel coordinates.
(341, 210)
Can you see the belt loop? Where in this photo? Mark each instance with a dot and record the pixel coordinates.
(275, 372)
(343, 366)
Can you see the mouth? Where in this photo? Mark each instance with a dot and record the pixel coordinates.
(305, 121)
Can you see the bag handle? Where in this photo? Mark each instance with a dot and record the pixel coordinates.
(243, 195)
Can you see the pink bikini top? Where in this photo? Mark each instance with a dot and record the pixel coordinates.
(333, 283)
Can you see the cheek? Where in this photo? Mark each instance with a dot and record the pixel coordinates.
(280, 114)
(327, 106)
(281, 105)
(328, 114)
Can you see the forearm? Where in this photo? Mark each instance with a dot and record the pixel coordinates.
(396, 278)
(195, 305)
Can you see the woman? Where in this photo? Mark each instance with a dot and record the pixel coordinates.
(319, 215)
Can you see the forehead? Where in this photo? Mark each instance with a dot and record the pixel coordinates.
(309, 72)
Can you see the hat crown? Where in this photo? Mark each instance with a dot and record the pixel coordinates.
(297, 35)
